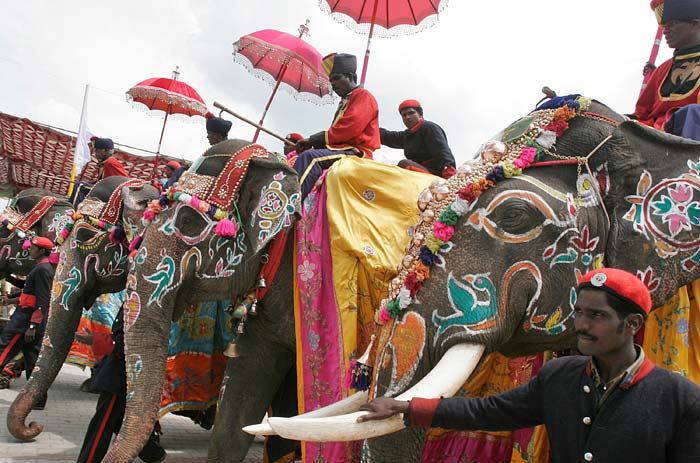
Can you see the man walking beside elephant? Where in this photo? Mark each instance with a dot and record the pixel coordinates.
(613, 404)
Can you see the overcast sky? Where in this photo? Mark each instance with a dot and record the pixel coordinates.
(481, 66)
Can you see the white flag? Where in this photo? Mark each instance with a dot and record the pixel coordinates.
(82, 144)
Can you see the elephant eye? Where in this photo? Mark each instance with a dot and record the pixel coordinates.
(84, 234)
(516, 216)
(190, 225)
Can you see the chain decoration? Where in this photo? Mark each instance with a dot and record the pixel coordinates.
(521, 144)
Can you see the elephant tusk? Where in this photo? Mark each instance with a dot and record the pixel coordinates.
(444, 380)
(347, 405)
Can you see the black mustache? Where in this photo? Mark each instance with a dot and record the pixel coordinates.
(583, 333)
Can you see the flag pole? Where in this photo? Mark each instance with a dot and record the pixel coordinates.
(82, 127)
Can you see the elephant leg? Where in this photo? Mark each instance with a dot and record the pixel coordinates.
(250, 384)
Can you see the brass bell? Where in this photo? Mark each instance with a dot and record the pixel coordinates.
(231, 350)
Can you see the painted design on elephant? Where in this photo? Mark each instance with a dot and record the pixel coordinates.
(403, 351)
(574, 247)
(275, 210)
(648, 276)
(229, 252)
(59, 221)
(134, 367)
(71, 284)
(669, 213)
(481, 218)
(169, 228)
(161, 278)
(132, 309)
(474, 305)
(222, 390)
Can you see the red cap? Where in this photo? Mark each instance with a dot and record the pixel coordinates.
(294, 136)
(409, 104)
(174, 164)
(620, 283)
(42, 242)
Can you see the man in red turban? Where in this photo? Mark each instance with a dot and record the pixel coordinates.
(424, 143)
(609, 404)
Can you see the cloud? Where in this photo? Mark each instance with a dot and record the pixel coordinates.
(480, 67)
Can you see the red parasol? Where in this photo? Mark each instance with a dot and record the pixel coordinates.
(414, 15)
(285, 59)
(169, 95)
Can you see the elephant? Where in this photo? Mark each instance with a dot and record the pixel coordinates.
(182, 260)
(92, 261)
(496, 257)
(14, 260)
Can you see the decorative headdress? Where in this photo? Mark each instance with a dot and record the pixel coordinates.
(678, 10)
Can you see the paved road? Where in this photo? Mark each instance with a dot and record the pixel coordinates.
(67, 415)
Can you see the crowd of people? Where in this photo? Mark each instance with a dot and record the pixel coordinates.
(591, 403)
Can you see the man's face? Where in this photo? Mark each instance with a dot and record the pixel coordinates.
(35, 252)
(682, 34)
(341, 84)
(599, 329)
(215, 137)
(410, 117)
(102, 154)
(169, 171)
(289, 148)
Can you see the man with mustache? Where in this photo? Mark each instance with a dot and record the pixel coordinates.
(610, 404)
(669, 101)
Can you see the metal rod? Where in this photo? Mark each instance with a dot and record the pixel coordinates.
(369, 43)
(248, 121)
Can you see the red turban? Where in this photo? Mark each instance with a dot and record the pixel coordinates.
(174, 164)
(619, 283)
(41, 242)
(409, 104)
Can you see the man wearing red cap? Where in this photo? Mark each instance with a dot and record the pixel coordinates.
(424, 142)
(669, 101)
(355, 128)
(290, 151)
(26, 328)
(611, 404)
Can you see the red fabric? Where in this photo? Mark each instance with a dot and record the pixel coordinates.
(409, 104)
(112, 167)
(389, 14)
(422, 410)
(621, 283)
(448, 172)
(102, 344)
(416, 127)
(34, 155)
(101, 429)
(7, 350)
(654, 110)
(27, 300)
(268, 50)
(357, 125)
(37, 317)
(269, 270)
(642, 373)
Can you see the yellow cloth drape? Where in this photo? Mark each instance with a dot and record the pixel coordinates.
(672, 333)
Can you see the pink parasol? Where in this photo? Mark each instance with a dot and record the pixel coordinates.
(171, 96)
(286, 60)
(400, 15)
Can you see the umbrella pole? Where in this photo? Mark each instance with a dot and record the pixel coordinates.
(369, 43)
(652, 56)
(248, 121)
(269, 102)
(155, 162)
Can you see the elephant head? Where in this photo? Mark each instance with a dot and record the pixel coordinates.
(92, 261)
(205, 240)
(495, 259)
(32, 212)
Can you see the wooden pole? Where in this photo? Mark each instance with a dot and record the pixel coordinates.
(248, 121)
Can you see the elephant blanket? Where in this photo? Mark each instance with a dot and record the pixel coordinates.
(98, 319)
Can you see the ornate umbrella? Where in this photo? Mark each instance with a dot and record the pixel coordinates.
(169, 95)
(282, 58)
(411, 15)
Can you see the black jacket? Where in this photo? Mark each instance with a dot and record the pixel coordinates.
(428, 146)
(110, 375)
(653, 420)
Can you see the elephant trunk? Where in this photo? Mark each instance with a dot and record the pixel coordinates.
(58, 338)
(146, 336)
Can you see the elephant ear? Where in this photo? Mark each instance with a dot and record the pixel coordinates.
(269, 201)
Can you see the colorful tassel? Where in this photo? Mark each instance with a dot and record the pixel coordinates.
(26, 245)
(117, 235)
(134, 245)
(226, 227)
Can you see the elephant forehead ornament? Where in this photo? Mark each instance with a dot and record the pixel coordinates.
(521, 145)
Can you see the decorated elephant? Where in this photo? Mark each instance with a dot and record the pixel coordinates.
(32, 212)
(93, 261)
(495, 259)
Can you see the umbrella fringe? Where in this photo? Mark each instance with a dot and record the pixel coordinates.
(160, 115)
(194, 107)
(380, 30)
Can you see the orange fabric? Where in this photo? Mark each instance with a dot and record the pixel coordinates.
(113, 167)
(356, 125)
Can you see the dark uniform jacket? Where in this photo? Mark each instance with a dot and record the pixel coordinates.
(427, 146)
(652, 417)
(33, 301)
(111, 371)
